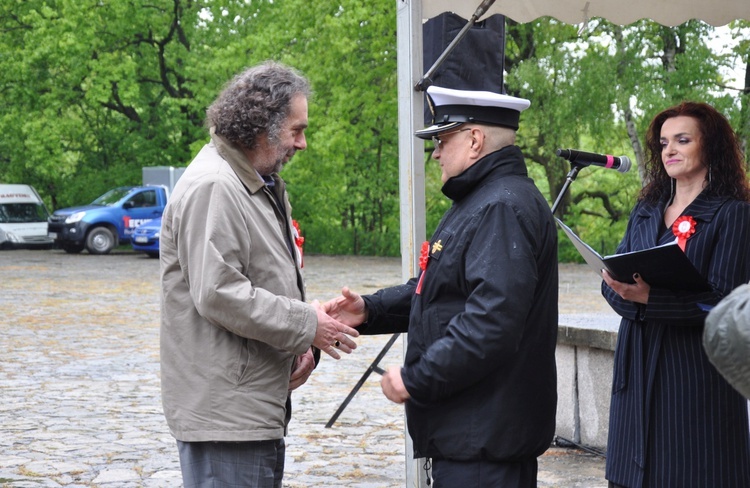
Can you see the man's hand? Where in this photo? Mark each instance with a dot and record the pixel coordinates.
(333, 336)
(393, 385)
(303, 367)
(349, 308)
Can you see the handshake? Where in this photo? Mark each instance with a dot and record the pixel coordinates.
(336, 321)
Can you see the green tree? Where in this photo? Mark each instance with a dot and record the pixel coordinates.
(741, 32)
(344, 187)
(92, 91)
(597, 90)
(98, 90)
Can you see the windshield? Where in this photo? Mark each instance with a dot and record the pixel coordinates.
(19, 213)
(112, 196)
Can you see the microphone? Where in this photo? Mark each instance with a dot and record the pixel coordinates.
(621, 164)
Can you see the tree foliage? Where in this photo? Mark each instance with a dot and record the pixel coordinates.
(94, 90)
(345, 185)
(598, 91)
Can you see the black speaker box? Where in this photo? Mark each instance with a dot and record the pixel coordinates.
(475, 63)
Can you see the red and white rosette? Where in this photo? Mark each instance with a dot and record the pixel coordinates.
(298, 241)
(683, 228)
(424, 257)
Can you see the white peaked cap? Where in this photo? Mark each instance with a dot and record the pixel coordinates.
(450, 108)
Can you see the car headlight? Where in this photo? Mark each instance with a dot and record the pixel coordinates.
(76, 217)
(156, 236)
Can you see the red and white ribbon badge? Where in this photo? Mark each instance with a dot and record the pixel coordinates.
(424, 257)
(683, 228)
(298, 242)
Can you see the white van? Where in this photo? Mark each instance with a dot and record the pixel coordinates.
(23, 218)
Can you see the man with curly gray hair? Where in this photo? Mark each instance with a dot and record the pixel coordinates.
(236, 333)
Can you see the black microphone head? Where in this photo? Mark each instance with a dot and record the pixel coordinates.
(624, 164)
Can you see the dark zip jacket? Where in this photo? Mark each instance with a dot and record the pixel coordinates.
(480, 362)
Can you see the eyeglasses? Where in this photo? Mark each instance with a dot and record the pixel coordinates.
(438, 141)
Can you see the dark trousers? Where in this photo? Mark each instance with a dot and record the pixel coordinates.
(232, 464)
(487, 474)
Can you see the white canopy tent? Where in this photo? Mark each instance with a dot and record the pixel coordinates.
(666, 12)
(410, 16)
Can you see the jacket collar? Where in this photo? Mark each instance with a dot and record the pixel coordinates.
(243, 168)
(507, 161)
(703, 208)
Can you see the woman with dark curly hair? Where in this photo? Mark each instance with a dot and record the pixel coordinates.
(674, 420)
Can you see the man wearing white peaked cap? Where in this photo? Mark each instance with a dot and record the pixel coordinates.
(479, 381)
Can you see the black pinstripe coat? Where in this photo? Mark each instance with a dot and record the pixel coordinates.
(674, 421)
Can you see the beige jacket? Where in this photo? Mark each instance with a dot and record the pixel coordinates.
(726, 338)
(233, 315)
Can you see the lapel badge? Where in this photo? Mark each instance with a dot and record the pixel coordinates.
(437, 248)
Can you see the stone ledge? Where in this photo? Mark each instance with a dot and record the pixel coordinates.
(598, 331)
(585, 354)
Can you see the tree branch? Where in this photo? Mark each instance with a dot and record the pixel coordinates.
(119, 106)
(614, 214)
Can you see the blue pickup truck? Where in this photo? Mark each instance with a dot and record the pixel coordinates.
(108, 221)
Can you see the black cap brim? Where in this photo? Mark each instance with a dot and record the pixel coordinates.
(436, 129)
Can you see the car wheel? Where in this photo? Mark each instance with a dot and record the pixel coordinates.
(72, 248)
(100, 240)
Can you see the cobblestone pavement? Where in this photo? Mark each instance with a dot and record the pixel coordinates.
(79, 376)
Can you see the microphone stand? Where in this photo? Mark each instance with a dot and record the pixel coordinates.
(574, 169)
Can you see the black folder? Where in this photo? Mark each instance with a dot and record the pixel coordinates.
(664, 266)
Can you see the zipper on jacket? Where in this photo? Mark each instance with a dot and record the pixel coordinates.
(281, 214)
(278, 207)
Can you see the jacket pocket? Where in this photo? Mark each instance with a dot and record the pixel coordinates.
(264, 368)
(255, 361)
(432, 325)
(243, 370)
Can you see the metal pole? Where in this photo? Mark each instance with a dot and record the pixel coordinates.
(411, 166)
(574, 169)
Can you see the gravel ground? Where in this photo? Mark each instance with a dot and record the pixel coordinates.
(79, 376)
